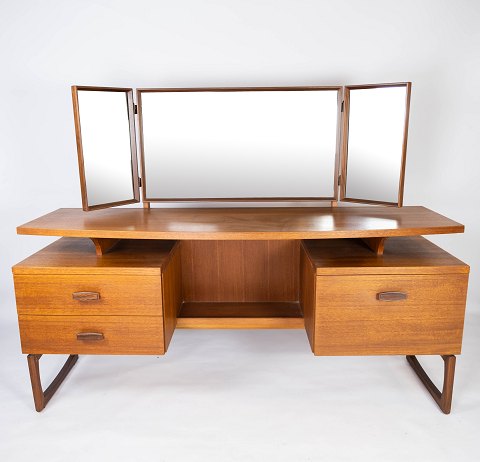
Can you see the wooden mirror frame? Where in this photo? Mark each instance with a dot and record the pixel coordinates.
(133, 148)
(334, 197)
(344, 151)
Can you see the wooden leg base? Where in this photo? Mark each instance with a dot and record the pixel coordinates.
(40, 397)
(444, 398)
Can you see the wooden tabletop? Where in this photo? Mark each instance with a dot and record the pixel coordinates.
(242, 223)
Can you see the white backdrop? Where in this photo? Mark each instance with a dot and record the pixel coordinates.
(47, 46)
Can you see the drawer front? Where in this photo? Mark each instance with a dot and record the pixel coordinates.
(58, 294)
(389, 314)
(141, 335)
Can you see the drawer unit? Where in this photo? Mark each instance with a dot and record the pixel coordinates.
(70, 301)
(409, 301)
(139, 335)
(389, 314)
(58, 294)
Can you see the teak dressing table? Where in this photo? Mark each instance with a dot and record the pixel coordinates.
(359, 279)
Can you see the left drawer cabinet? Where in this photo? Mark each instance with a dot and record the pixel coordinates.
(70, 301)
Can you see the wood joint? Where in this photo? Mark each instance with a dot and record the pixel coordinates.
(104, 245)
(375, 244)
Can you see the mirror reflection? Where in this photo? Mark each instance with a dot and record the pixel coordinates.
(106, 147)
(375, 143)
(239, 144)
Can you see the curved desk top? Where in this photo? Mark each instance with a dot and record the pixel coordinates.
(243, 223)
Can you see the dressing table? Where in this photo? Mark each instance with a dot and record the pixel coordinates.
(360, 279)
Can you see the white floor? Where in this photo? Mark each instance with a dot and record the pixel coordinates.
(239, 396)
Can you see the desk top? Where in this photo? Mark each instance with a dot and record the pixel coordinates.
(243, 223)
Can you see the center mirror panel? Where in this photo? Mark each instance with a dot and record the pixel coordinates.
(260, 144)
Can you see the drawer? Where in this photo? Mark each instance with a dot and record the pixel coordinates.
(142, 335)
(117, 294)
(389, 314)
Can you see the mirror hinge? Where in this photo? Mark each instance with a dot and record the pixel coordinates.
(339, 180)
(341, 109)
(135, 109)
(139, 182)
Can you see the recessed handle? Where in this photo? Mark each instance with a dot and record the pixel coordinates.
(391, 296)
(90, 336)
(86, 296)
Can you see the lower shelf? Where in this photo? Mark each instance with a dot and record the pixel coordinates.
(244, 315)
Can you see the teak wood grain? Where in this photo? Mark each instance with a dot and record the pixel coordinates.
(118, 294)
(350, 320)
(376, 244)
(70, 301)
(171, 293)
(349, 317)
(77, 256)
(102, 246)
(402, 255)
(308, 288)
(122, 335)
(243, 223)
(244, 315)
(240, 271)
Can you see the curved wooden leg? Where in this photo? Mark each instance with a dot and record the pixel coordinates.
(443, 399)
(40, 397)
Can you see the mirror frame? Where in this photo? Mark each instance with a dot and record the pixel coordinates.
(133, 148)
(344, 150)
(334, 197)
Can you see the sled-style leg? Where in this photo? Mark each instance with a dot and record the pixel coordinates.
(40, 397)
(443, 399)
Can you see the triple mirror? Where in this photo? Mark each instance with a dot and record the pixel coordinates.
(247, 144)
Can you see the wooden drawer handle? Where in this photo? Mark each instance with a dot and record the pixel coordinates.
(391, 296)
(86, 296)
(90, 336)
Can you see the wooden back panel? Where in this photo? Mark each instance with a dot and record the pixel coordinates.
(240, 271)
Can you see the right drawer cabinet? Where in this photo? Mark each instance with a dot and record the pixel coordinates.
(408, 301)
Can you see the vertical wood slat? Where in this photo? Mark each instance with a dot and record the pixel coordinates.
(171, 294)
(240, 271)
(308, 287)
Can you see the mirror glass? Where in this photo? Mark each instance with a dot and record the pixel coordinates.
(239, 144)
(376, 133)
(106, 146)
